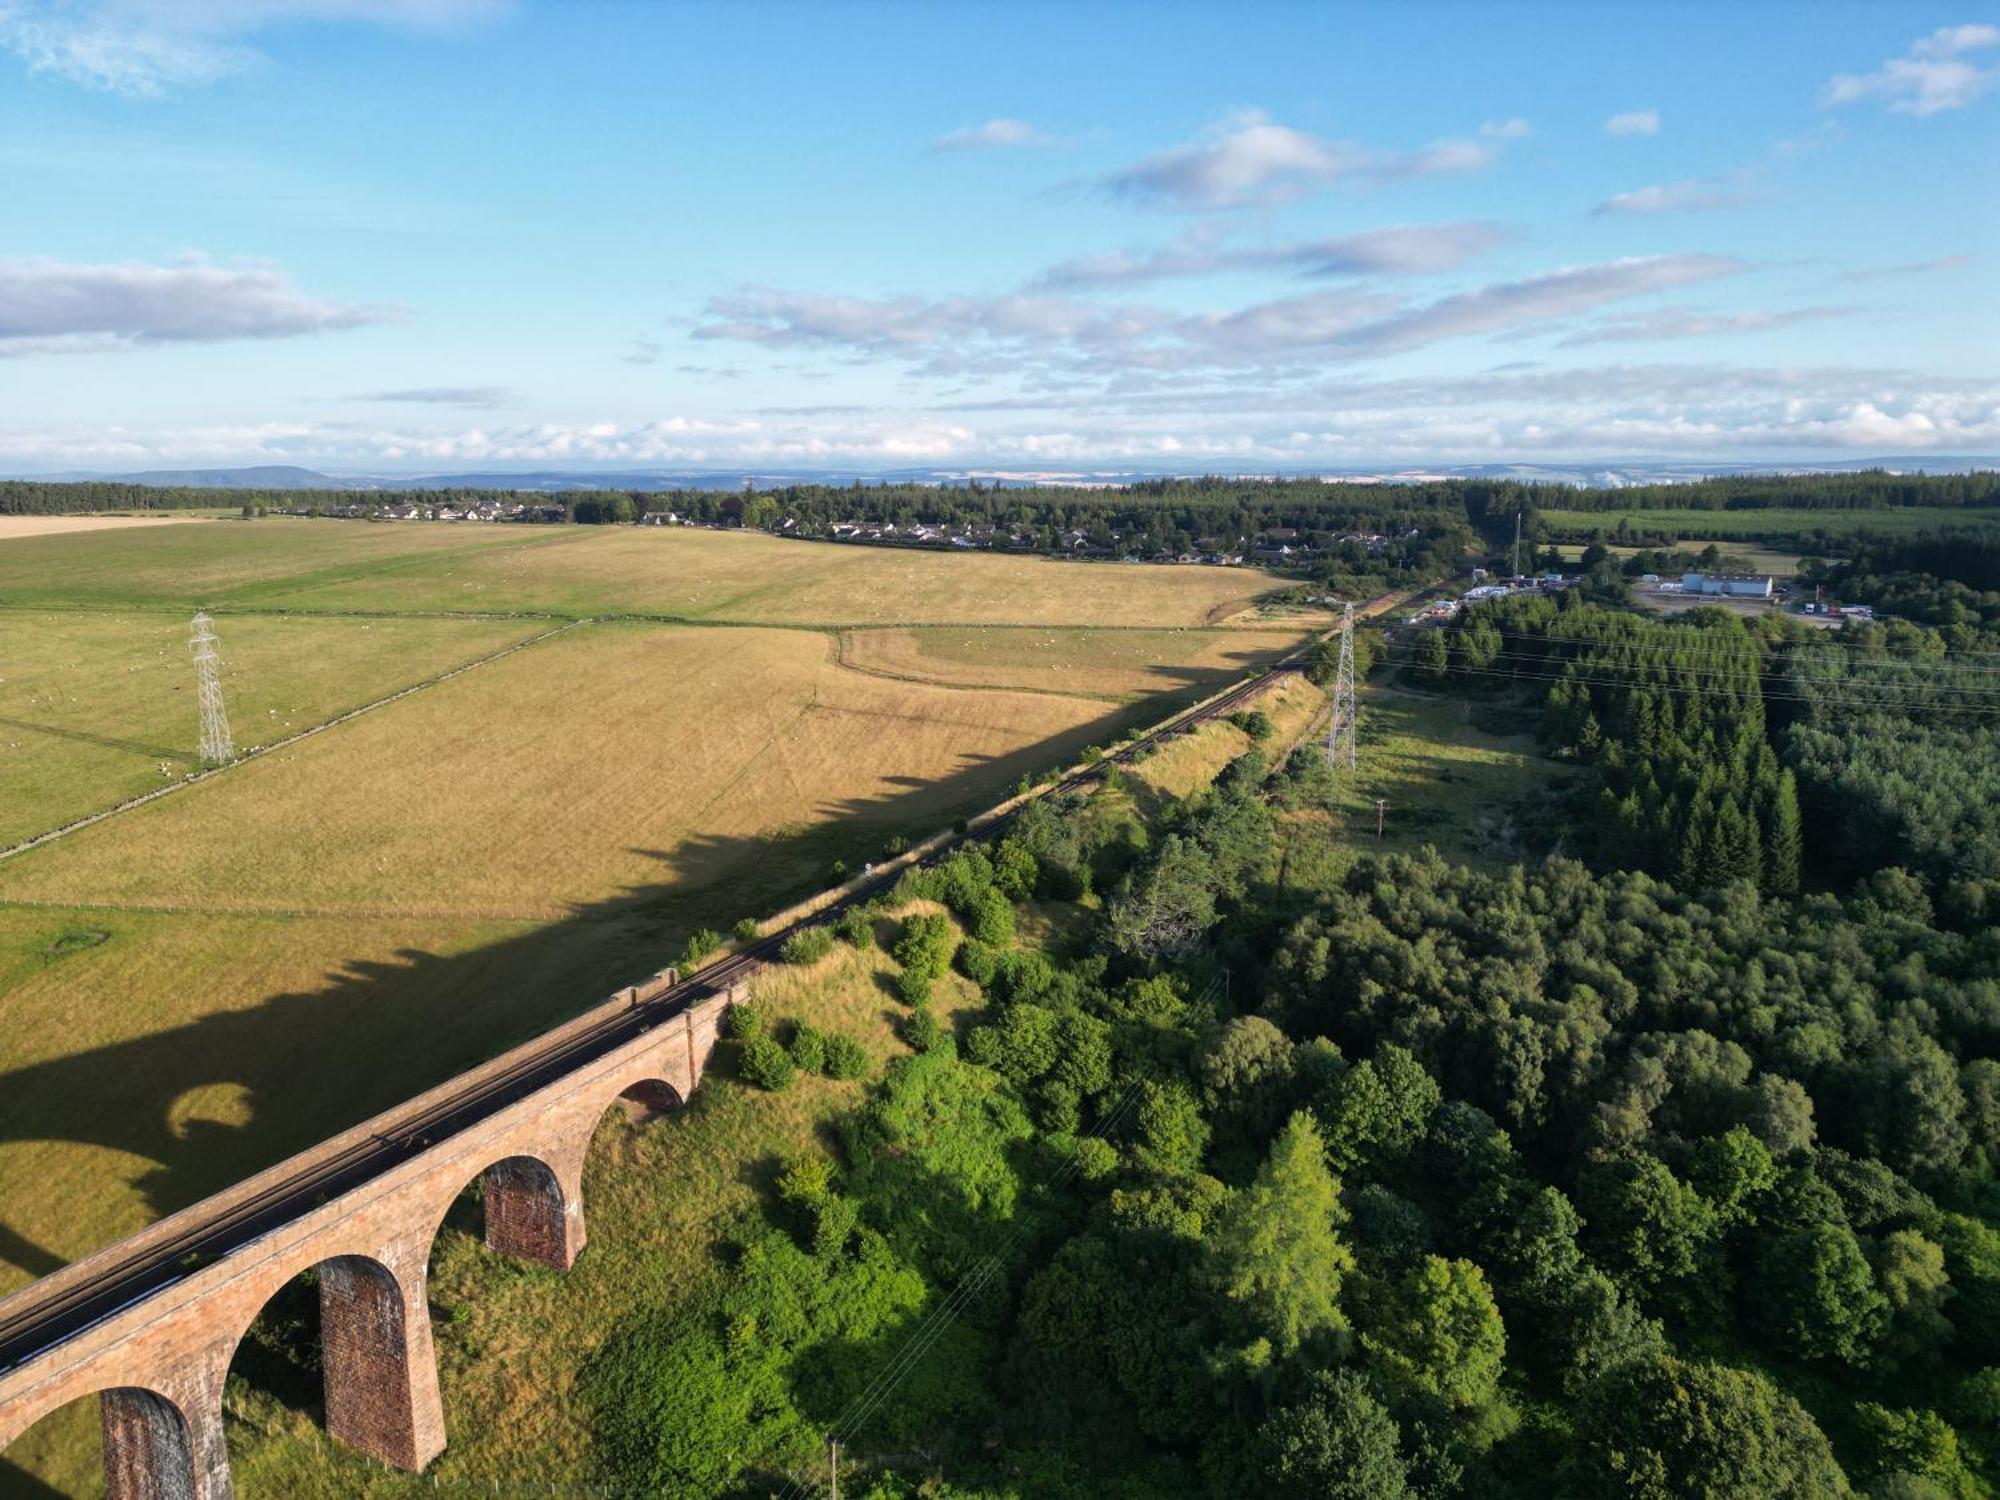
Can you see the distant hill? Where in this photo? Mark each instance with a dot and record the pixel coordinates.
(264, 477)
(1607, 474)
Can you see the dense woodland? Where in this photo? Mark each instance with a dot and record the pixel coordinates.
(1661, 1166)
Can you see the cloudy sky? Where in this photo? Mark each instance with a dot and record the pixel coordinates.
(409, 235)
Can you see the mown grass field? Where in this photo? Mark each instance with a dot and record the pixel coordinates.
(276, 951)
(1776, 525)
(96, 708)
(746, 578)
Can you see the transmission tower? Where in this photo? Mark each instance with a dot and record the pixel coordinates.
(216, 747)
(1341, 747)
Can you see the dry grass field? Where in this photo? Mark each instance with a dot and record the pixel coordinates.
(1113, 664)
(12, 527)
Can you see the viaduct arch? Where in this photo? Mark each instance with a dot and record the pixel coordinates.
(157, 1363)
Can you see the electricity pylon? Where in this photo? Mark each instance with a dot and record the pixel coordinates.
(1341, 735)
(217, 749)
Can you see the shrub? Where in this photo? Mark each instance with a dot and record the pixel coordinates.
(745, 931)
(835, 1219)
(922, 1031)
(857, 927)
(1096, 1158)
(767, 1065)
(978, 962)
(806, 1180)
(926, 944)
(807, 946)
(698, 946)
(913, 988)
(743, 1023)
(808, 1047)
(845, 1057)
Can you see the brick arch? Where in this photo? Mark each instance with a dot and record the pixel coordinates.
(148, 1448)
(376, 1358)
(533, 1206)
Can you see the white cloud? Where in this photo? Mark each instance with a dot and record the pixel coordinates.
(1908, 268)
(1396, 249)
(482, 396)
(144, 47)
(995, 134)
(1634, 122)
(1053, 337)
(1250, 161)
(1619, 410)
(1932, 77)
(52, 306)
(1727, 191)
(1692, 323)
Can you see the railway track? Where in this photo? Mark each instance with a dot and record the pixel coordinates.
(35, 1320)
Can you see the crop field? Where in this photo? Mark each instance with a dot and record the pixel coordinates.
(1772, 525)
(580, 771)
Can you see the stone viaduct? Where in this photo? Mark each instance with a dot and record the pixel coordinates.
(158, 1363)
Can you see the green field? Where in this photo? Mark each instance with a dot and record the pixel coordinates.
(698, 727)
(1772, 525)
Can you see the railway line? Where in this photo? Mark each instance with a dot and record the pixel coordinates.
(41, 1316)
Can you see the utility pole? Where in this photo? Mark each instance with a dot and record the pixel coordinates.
(833, 1465)
(1341, 741)
(217, 749)
(1381, 806)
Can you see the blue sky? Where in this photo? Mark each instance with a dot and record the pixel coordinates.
(410, 235)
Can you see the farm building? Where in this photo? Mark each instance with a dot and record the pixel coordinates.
(1746, 585)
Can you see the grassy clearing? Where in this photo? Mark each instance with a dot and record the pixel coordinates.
(1093, 663)
(96, 708)
(512, 1339)
(596, 768)
(1194, 760)
(1446, 780)
(1772, 525)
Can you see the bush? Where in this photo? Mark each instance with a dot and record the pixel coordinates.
(922, 1031)
(767, 1065)
(978, 962)
(857, 927)
(807, 946)
(845, 1057)
(745, 931)
(743, 1023)
(913, 988)
(991, 919)
(808, 1047)
(806, 1180)
(926, 944)
(1096, 1158)
(698, 946)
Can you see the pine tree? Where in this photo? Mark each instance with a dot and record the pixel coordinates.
(1782, 839)
(1278, 1248)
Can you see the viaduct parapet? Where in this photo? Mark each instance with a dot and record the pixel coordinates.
(157, 1364)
